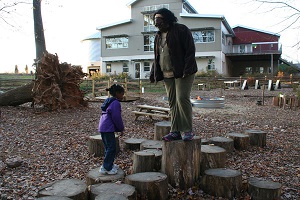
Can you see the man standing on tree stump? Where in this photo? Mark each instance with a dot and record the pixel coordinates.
(175, 63)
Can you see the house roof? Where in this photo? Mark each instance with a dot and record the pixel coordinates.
(114, 24)
(184, 1)
(255, 29)
(210, 16)
(96, 35)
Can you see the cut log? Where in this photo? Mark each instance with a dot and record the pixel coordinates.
(143, 161)
(106, 196)
(263, 190)
(257, 137)
(161, 129)
(226, 143)
(219, 182)
(241, 141)
(94, 177)
(72, 188)
(126, 190)
(96, 146)
(205, 141)
(151, 144)
(181, 162)
(133, 143)
(149, 185)
(158, 156)
(212, 157)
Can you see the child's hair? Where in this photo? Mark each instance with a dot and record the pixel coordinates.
(114, 89)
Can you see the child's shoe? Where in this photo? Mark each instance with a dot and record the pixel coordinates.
(102, 170)
(112, 171)
(172, 136)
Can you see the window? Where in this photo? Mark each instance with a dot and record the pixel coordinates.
(146, 66)
(116, 43)
(242, 48)
(210, 64)
(261, 70)
(203, 36)
(125, 67)
(223, 39)
(248, 70)
(108, 68)
(149, 42)
(149, 23)
(155, 7)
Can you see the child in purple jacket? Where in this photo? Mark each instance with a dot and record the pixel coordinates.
(111, 122)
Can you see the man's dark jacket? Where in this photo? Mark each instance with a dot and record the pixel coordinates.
(182, 53)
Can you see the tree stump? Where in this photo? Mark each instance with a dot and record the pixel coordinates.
(212, 157)
(240, 141)
(106, 196)
(181, 162)
(53, 198)
(205, 141)
(96, 146)
(94, 177)
(219, 182)
(263, 190)
(226, 143)
(125, 190)
(158, 156)
(72, 188)
(133, 143)
(161, 129)
(143, 161)
(149, 185)
(151, 144)
(257, 137)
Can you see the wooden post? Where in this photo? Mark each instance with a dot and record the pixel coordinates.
(257, 137)
(143, 161)
(263, 95)
(181, 162)
(149, 185)
(264, 190)
(96, 146)
(152, 144)
(241, 141)
(161, 128)
(73, 188)
(212, 157)
(133, 143)
(113, 188)
(226, 143)
(93, 88)
(222, 182)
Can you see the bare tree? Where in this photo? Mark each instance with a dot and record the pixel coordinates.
(291, 16)
(8, 8)
(40, 44)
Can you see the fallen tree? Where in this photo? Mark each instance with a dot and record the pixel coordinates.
(57, 86)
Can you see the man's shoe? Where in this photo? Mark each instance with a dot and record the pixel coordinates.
(188, 136)
(172, 136)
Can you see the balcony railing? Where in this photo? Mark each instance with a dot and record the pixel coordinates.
(254, 48)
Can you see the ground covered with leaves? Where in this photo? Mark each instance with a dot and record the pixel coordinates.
(53, 145)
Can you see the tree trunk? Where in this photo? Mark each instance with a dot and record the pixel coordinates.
(17, 96)
(40, 44)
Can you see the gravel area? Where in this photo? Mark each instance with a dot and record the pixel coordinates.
(53, 145)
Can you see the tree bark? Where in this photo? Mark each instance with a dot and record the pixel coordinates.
(40, 44)
(17, 96)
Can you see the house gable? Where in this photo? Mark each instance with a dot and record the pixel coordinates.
(246, 35)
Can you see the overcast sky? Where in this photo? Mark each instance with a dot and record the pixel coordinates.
(67, 22)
